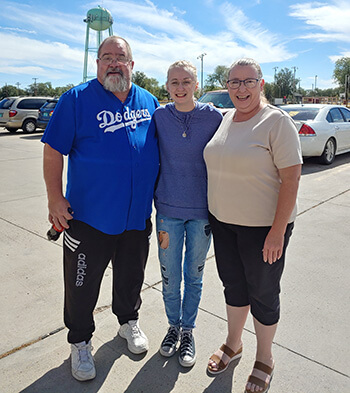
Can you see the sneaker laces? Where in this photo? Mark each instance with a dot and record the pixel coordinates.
(186, 346)
(84, 352)
(135, 330)
(83, 355)
(172, 337)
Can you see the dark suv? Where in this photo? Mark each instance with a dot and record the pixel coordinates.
(219, 98)
(20, 112)
(45, 113)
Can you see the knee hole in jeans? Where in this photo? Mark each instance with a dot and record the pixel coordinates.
(163, 238)
(207, 230)
(164, 277)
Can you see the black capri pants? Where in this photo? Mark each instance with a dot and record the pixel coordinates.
(247, 279)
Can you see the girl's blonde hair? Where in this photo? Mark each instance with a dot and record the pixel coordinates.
(186, 65)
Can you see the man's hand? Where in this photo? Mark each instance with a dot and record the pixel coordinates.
(59, 212)
(58, 204)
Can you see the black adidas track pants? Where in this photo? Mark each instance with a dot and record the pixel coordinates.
(87, 253)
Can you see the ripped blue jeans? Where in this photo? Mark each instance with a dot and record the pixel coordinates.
(173, 234)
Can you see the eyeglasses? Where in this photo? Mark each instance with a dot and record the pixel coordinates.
(249, 83)
(185, 84)
(107, 60)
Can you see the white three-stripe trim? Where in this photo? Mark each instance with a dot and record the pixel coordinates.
(70, 242)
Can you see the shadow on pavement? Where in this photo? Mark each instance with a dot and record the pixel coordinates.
(311, 165)
(223, 382)
(60, 380)
(158, 374)
(32, 136)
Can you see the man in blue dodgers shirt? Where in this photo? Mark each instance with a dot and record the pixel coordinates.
(105, 128)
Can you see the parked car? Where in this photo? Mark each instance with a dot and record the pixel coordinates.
(324, 130)
(219, 98)
(45, 113)
(20, 112)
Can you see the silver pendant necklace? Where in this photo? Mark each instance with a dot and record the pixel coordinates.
(185, 121)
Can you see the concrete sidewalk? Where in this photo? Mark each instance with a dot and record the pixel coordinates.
(311, 346)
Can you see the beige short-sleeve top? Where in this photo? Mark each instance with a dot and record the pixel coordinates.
(242, 162)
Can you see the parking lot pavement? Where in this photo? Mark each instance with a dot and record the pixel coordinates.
(311, 346)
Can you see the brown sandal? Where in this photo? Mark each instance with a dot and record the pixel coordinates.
(221, 365)
(264, 384)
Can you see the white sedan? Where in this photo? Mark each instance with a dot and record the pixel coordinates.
(324, 130)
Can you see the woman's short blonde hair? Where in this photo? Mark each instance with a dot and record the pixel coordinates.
(246, 61)
(186, 65)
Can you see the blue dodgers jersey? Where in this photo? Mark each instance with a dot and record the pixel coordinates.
(113, 158)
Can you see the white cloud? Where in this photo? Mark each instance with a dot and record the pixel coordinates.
(149, 16)
(17, 30)
(178, 10)
(332, 19)
(334, 58)
(321, 83)
(251, 38)
(157, 36)
(26, 55)
(31, 70)
(55, 24)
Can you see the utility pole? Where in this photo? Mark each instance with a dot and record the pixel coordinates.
(35, 85)
(276, 68)
(315, 82)
(17, 84)
(347, 87)
(201, 57)
(294, 68)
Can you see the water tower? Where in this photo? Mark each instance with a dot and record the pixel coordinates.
(98, 19)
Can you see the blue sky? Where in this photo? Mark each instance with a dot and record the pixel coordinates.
(46, 39)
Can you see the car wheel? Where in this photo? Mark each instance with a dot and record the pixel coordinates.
(11, 129)
(29, 126)
(328, 154)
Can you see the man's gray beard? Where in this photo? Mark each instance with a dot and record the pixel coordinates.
(113, 84)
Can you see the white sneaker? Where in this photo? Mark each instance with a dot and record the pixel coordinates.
(83, 366)
(136, 338)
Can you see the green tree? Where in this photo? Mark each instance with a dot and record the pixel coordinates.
(286, 83)
(331, 92)
(163, 93)
(341, 70)
(41, 89)
(38, 89)
(139, 78)
(217, 80)
(150, 84)
(302, 91)
(10, 91)
(269, 91)
(58, 91)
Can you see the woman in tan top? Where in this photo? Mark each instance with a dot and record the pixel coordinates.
(254, 165)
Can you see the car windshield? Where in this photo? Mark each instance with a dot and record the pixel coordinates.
(220, 100)
(6, 103)
(301, 113)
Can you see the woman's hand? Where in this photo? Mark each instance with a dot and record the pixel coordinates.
(273, 246)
